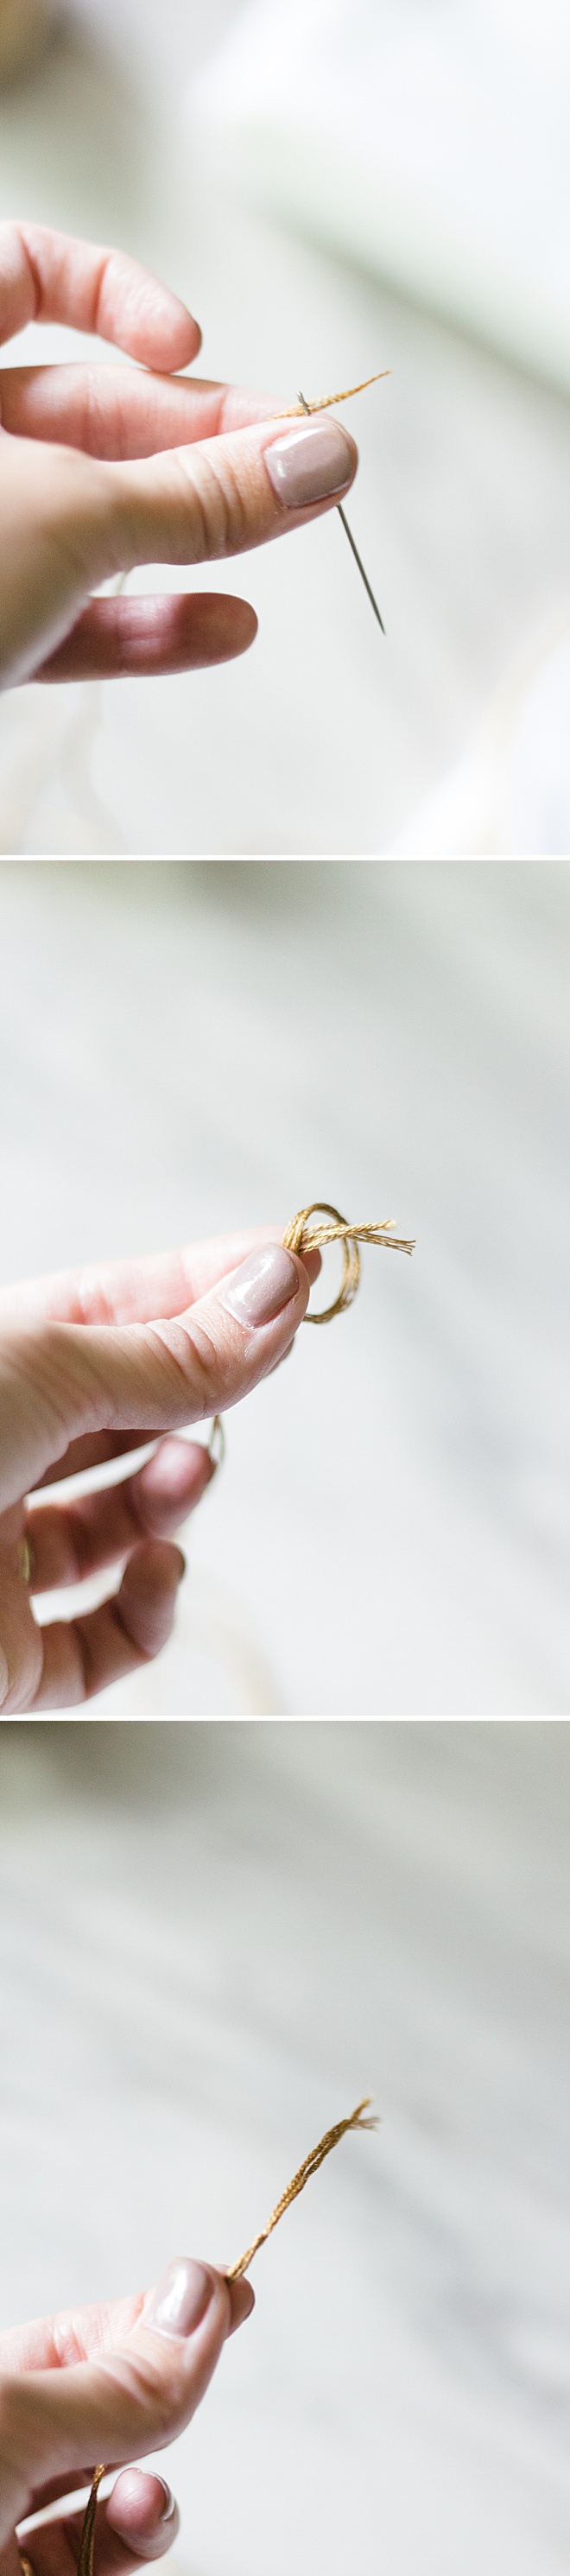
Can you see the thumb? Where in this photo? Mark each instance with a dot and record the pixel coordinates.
(129, 2401)
(222, 495)
(68, 521)
(63, 1380)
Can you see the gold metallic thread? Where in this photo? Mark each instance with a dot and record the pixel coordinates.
(311, 2164)
(85, 2559)
(300, 1236)
(323, 402)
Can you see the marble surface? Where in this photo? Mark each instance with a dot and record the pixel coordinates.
(184, 1048)
(216, 1938)
(323, 740)
(428, 145)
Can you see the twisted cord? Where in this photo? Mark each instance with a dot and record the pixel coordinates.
(300, 1236)
(85, 2559)
(323, 401)
(310, 2166)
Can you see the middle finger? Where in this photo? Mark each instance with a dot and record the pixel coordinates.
(118, 412)
(68, 1541)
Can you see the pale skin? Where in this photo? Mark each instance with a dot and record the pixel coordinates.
(102, 2384)
(104, 467)
(101, 470)
(95, 1363)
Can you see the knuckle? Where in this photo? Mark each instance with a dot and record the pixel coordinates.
(67, 2343)
(93, 1301)
(61, 1538)
(223, 509)
(212, 1364)
(78, 1538)
(196, 1358)
(159, 2392)
(94, 412)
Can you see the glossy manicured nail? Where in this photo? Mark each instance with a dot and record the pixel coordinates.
(180, 2300)
(136, 2486)
(261, 1287)
(243, 2301)
(309, 463)
(169, 2506)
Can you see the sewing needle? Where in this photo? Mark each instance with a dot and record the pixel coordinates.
(348, 533)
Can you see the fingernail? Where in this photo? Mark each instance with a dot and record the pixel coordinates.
(132, 2487)
(180, 2300)
(309, 463)
(4, 1678)
(169, 2506)
(243, 2301)
(261, 1287)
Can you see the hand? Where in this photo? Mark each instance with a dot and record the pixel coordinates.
(106, 2383)
(105, 467)
(87, 1373)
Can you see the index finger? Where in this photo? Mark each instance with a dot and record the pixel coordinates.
(69, 2334)
(127, 1292)
(54, 2342)
(62, 1380)
(49, 276)
(93, 2381)
(118, 2404)
(133, 1292)
(113, 412)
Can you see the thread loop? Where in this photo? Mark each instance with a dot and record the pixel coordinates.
(300, 1236)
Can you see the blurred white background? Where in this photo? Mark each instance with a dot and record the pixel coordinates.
(186, 1048)
(216, 1939)
(419, 227)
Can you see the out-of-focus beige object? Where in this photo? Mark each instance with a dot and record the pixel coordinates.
(24, 28)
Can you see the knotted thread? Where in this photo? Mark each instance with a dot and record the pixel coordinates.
(300, 1236)
(311, 2166)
